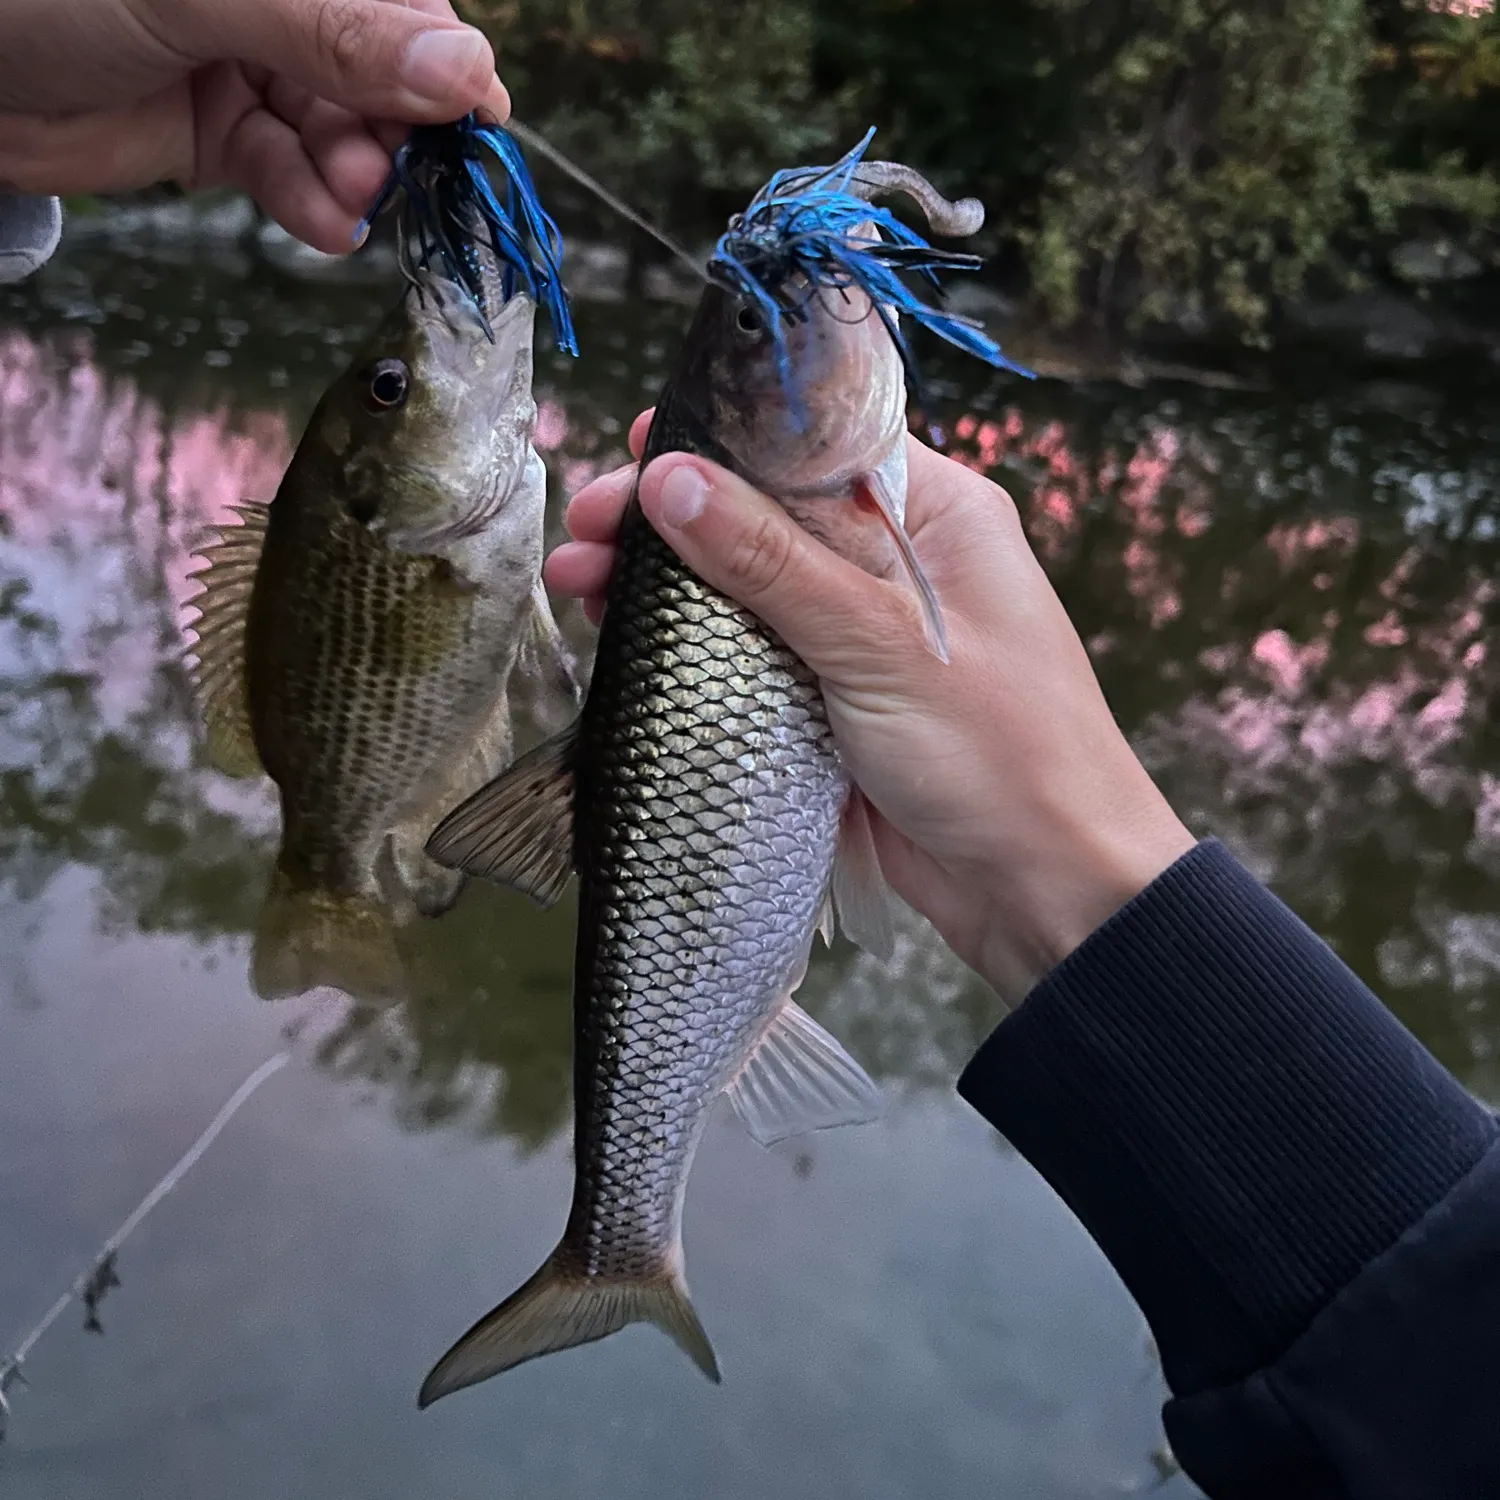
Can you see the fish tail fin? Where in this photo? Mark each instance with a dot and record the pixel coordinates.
(558, 1309)
(311, 937)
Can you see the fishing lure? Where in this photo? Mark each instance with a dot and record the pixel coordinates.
(806, 232)
(451, 203)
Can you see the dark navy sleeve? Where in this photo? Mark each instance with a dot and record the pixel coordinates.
(1303, 1201)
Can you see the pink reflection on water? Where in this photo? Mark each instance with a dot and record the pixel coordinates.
(1286, 664)
(551, 426)
(1295, 542)
(1281, 743)
(102, 495)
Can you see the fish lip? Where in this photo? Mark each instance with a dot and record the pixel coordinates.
(458, 308)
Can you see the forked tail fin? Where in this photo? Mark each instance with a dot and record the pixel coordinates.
(558, 1309)
(309, 937)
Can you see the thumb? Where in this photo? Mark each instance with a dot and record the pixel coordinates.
(380, 59)
(835, 616)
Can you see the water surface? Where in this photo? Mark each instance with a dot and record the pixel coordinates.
(1290, 601)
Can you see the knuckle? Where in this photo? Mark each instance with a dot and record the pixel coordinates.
(24, 154)
(760, 557)
(343, 34)
(1004, 505)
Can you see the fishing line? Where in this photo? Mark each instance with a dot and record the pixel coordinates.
(530, 137)
(92, 1278)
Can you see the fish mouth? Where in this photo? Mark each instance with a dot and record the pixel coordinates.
(465, 314)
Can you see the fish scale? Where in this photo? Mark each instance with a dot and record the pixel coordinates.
(344, 675)
(703, 740)
(704, 802)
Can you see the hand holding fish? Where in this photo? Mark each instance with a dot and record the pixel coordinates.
(1010, 811)
(299, 102)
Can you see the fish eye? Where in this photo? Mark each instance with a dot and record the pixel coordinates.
(749, 320)
(386, 385)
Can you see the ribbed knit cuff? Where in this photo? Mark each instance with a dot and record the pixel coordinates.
(1233, 1116)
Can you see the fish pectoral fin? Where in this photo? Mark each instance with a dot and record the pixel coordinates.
(934, 632)
(799, 1079)
(518, 830)
(861, 895)
(558, 1310)
(544, 654)
(216, 639)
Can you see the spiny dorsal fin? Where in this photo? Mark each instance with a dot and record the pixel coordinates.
(518, 830)
(216, 639)
(798, 1079)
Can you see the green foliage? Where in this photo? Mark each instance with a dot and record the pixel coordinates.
(680, 104)
(1459, 55)
(1160, 159)
(1217, 154)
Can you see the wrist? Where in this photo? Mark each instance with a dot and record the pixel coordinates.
(1032, 913)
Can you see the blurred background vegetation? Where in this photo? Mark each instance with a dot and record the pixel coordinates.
(1192, 164)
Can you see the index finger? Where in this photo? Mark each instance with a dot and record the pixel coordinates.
(593, 514)
(639, 430)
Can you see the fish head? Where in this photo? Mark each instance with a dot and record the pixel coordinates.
(437, 416)
(804, 392)
(805, 412)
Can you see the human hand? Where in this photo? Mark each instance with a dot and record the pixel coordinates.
(298, 102)
(1010, 811)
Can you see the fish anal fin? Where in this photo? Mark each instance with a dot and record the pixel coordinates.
(876, 487)
(216, 640)
(558, 1309)
(518, 830)
(825, 924)
(861, 895)
(799, 1079)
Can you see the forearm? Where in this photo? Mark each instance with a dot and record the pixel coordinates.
(1251, 1137)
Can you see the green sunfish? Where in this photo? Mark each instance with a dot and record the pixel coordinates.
(357, 637)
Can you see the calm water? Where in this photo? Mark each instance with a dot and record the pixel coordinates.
(1291, 602)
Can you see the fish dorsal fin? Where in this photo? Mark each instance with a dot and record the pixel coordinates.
(216, 639)
(518, 830)
(860, 893)
(798, 1079)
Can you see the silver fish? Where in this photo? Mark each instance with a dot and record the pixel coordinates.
(713, 826)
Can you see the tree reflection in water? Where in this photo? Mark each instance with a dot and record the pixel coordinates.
(1290, 604)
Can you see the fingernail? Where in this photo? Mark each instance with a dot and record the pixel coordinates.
(684, 492)
(438, 62)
